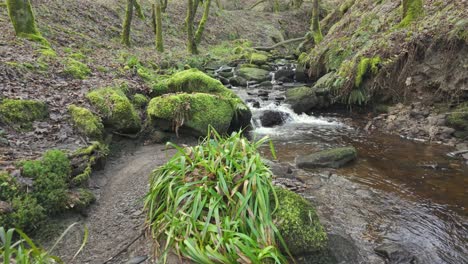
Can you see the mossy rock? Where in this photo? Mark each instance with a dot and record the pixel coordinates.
(254, 74)
(140, 100)
(302, 99)
(21, 113)
(298, 224)
(86, 122)
(258, 58)
(332, 158)
(115, 109)
(458, 118)
(80, 199)
(76, 69)
(196, 111)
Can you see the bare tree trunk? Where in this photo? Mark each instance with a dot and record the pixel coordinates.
(191, 45)
(22, 17)
(128, 22)
(158, 27)
(201, 26)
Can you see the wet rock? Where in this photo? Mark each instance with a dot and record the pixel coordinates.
(266, 85)
(137, 260)
(395, 254)
(332, 158)
(264, 98)
(272, 118)
(282, 170)
(256, 104)
(262, 93)
(286, 74)
(225, 68)
(223, 80)
(302, 99)
(238, 81)
(300, 75)
(254, 74)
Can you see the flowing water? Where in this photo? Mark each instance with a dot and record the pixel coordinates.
(398, 191)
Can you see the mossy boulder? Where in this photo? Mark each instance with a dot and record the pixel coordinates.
(140, 100)
(458, 118)
(304, 99)
(332, 158)
(298, 224)
(86, 122)
(196, 111)
(115, 109)
(254, 74)
(258, 58)
(21, 113)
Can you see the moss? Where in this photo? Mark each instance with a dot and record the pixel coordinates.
(299, 93)
(27, 214)
(258, 58)
(366, 67)
(21, 113)
(196, 111)
(115, 109)
(81, 199)
(77, 56)
(22, 18)
(298, 224)
(140, 101)
(458, 118)
(76, 69)
(254, 74)
(90, 154)
(86, 122)
(8, 187)
(412, 9)
(48, 53)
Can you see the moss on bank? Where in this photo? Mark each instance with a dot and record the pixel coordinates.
(76, 69)
(21, 113)
(115, 109)
(86, 122)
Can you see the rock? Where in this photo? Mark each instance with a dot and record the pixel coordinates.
(258, 58)
(281, 170)
(158, 137)
(332, 158)
(115, 109)
(224, 68)
(137, 260)
(302, 99)
(287, 74)
(266, 85)
(284, 80)
(300, 75)
(223, 80)
(226, 74)
(5, 208)
(86, 122)
(395, 254)
(238, 81)
(298, 224)
(262, 93)
(213, 65)
(254, 74)
(22, 113)
(272, 118)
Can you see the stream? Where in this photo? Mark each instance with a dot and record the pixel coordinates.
(399, 193)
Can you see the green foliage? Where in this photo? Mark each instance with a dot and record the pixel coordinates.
(27, 213)
(458, 118)
(90, 154)
(140, 100)
(412, 9)
(76, 69)
(298, 223)
(115, 109)
(8, 187)
(367, 66)
(21, 113)
(216, 205)
(86, 122)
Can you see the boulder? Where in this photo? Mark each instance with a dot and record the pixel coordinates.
(258, 58)
(302, 99)
(115, 109)
(272, 118)
(298, 224)
(254, 74)
(226, 74)
(300, 74)
(285, 75)
(86, 122)
(238, 81)
(22, 113)
(332, 158)
(395, 254)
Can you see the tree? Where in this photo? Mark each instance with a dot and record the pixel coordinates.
(315, 23)
(194, 37)
(22, 18)
(157, 24)
(131, 4)
(163, 5)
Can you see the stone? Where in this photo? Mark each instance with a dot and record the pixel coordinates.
(332, 158)
(395, 254)
(300, 75)
(223, 80)
(228, 74)
(272, 118)
(5, 208)
(238, 81)
(286, 73)
(137, 260)
(266, 85)
(302, 99)
(254, 74)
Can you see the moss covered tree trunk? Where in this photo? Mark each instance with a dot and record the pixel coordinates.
(191, 45)
(22, 17)
(201, 26)
(158, 26)
(412, 9)
(315, 23)
(127, 22)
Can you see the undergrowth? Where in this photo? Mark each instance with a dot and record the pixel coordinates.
(211, 203)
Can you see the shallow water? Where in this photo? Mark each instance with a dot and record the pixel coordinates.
(398, 191)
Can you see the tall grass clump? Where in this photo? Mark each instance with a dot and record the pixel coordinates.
(212, 203)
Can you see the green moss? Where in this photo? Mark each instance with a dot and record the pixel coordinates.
(115, 109)
(298, 223)
(458, 118)
(21, 113)
(254, 74)
(258, 58)
(140, 101)
(27, 214)
(366, 67)
(91, 154)
(412, 9)
(86, 122)
(76, 69)
(77, 56)
(8, 187)
(196, 111)
(48, 53)
(81, 199)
